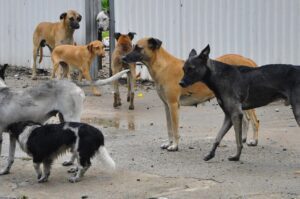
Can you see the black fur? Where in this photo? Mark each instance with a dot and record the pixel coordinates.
(242, 88)
(2, 71)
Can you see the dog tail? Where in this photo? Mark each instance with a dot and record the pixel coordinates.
(102, 82)
(106, 159)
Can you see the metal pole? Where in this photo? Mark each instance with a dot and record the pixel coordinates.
(111, 31)
(100, 39)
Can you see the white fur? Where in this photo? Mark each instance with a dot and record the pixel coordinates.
(102, 20)
(23, 137)
(106, 159)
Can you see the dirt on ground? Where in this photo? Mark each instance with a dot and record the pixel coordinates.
(133, 138)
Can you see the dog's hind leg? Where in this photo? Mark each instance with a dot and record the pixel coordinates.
(224, 129)
(295, 103)
(37, 169)
(236, 119)
(255, 126)
(46, 170)
(35, 52)
(11, 155)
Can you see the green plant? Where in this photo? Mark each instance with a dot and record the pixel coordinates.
(105, 5)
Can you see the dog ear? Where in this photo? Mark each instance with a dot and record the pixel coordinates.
(79, 18)
(193, 53)
(131, 35)
(117, 35)
(63, 15)
(90, 47)
(205, 52)
(154, 43)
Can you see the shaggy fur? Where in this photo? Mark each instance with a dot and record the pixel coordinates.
(45, 143)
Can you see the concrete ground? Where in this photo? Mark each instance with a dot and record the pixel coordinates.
(145, 171)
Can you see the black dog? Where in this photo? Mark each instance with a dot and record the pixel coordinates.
(45, 143)
(242, 88)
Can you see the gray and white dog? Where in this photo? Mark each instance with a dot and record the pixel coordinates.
(103, 21)
(39, 103)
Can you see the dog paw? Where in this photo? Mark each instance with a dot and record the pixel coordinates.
(173, 147)
(73, 170)
(97, 94)
(131, 107)
(74, 179)
(165, 145)
(43, 179)
(244, 140)
(4, 172)
(234, 158)
(252, 143)
(209, 156)
(67, 163)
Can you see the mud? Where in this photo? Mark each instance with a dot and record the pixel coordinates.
(145, 171)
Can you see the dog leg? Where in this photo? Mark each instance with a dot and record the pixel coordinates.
(11, 155)
(255, 126)
(55, 67)
(224, 129)
(236, 119)
(174, 123)
(38, 170)
(46, 171)
(1, 141)
(84, 165)
(169, 126)
(117, 99)
(245, 127)
(71, 161)
(35, 52)
(131, 87)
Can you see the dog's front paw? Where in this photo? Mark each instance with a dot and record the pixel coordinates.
(73, 170)
(4, 171)
(173, 147)
(43, 179)
(234, 158)
(252, 143)
(67, 163)
(74, 179)
(209, 156)
(131, 107)
(165, 145)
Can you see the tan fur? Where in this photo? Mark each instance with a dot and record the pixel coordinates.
(123, 47)
(166, 70)
(54, 34)
(80, 57)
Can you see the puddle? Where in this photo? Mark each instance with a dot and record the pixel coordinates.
(117, 122)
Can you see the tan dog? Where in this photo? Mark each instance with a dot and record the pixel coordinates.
(80, 57)
(123, 47)
(53, 34)
(167, 71)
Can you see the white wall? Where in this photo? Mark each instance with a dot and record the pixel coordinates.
(266, 31)
(18, 21)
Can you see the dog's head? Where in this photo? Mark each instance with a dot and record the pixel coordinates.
(71, 18)
(103, 21)
(195, 67)
(15, 129)
(143, 51)
(96, 47)
(124, 40)
(2, 71)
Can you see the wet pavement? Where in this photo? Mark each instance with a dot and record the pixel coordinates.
(145, 171)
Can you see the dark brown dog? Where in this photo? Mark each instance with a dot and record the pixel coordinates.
(123, 47)
(53, 34)
(167, 71)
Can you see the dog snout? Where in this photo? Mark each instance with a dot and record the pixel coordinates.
(101, 29)
(75, 25)
(182, 84)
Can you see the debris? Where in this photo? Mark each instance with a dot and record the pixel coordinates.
(190, 147)
(138, 180)
(284, 149)
(151, 124)
(84, 197)
(140, 95)
(277, 110)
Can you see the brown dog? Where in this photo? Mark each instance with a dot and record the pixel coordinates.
(123, 47)
(53, 34)
(166, 71)
(80, 57)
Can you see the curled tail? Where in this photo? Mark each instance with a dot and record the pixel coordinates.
(106, 159)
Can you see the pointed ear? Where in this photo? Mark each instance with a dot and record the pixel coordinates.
(154, 43)
(117, 35)
(131, 35)
(63, 15)
(205, 52)
(193, 53)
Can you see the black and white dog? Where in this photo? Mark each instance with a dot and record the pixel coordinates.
(242, 88)
(45, 142)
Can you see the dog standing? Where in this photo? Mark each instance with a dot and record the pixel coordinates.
(103, 20)
(123, 47)
(44, 143)
(80, 57)
(166, 71)
(53, 34)
(242, 89)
